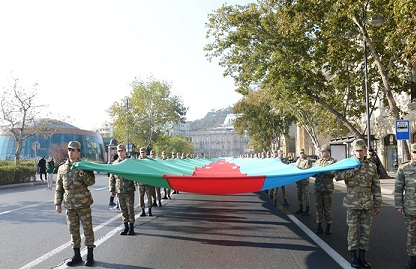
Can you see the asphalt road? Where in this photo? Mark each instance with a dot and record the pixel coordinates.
(193, 231)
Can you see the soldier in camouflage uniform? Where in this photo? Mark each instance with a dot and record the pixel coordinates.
(303, 185)
(145, 189)
(72, 189)
(279, 155)
(156, 193)
(166, 190)
(124, 188)
(405, 202)
(362, 197)
(324, 191)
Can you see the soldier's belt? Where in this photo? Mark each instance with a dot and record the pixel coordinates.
(358, 189)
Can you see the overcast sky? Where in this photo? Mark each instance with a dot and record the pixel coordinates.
(85, 54)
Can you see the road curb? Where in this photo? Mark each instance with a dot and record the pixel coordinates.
(22, 185)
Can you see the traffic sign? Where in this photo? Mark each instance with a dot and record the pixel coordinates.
(36, 146)
(402, 129)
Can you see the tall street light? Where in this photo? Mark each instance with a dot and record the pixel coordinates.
(376, 21)
(367, 97)
(127, 124)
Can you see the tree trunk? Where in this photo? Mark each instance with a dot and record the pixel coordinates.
(18, 150)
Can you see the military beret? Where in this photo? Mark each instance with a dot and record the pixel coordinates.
(142, 150)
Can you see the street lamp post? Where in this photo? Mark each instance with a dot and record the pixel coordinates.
(367, 96)
(376, 21)
(127, 124)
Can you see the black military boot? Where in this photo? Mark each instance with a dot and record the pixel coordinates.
(354, 259)
(319, 230)
(150, 212)
(306, 212)
(126, 229)
(143, 214)
(328, 228)
(131, 229)
(154, 203)
(300, 210)
(412, 263)
(362, 260)
(160, 203)
(77, 259)
(90, 257)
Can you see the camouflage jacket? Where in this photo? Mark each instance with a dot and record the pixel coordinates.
(405, 188)
(303, 163)
(363, 186)
(324, 181)
(72, 188)
(119, 184)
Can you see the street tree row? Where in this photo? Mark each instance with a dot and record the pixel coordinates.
(307, 58)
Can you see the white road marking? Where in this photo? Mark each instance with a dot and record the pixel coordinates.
(330, 251)
(84, 251)
(23, 207)
(102, 188)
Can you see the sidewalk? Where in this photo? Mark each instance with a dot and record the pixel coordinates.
(20, 185)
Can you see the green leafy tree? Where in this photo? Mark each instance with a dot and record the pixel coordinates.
(258, 116)
(313, 51)
(151, 108)
(177, 144)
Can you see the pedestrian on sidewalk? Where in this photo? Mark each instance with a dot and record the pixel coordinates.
(42, 168)
(362, 200)
(49, 169)
(405, 203)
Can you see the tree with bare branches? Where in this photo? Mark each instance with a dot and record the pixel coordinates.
(18, 114)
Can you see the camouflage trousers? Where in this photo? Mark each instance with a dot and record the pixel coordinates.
(323, 203)
(145, 189)
(73, 218)
(410, 221)
(167, 192)
(157, 195)
(303, 192)
(359, 227)
(126, 202)
(275, 192)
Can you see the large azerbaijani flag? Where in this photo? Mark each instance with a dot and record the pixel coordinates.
(215, 175)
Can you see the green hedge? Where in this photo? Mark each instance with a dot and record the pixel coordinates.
(12, 174)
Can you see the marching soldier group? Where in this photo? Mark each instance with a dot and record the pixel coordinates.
(362, 199)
